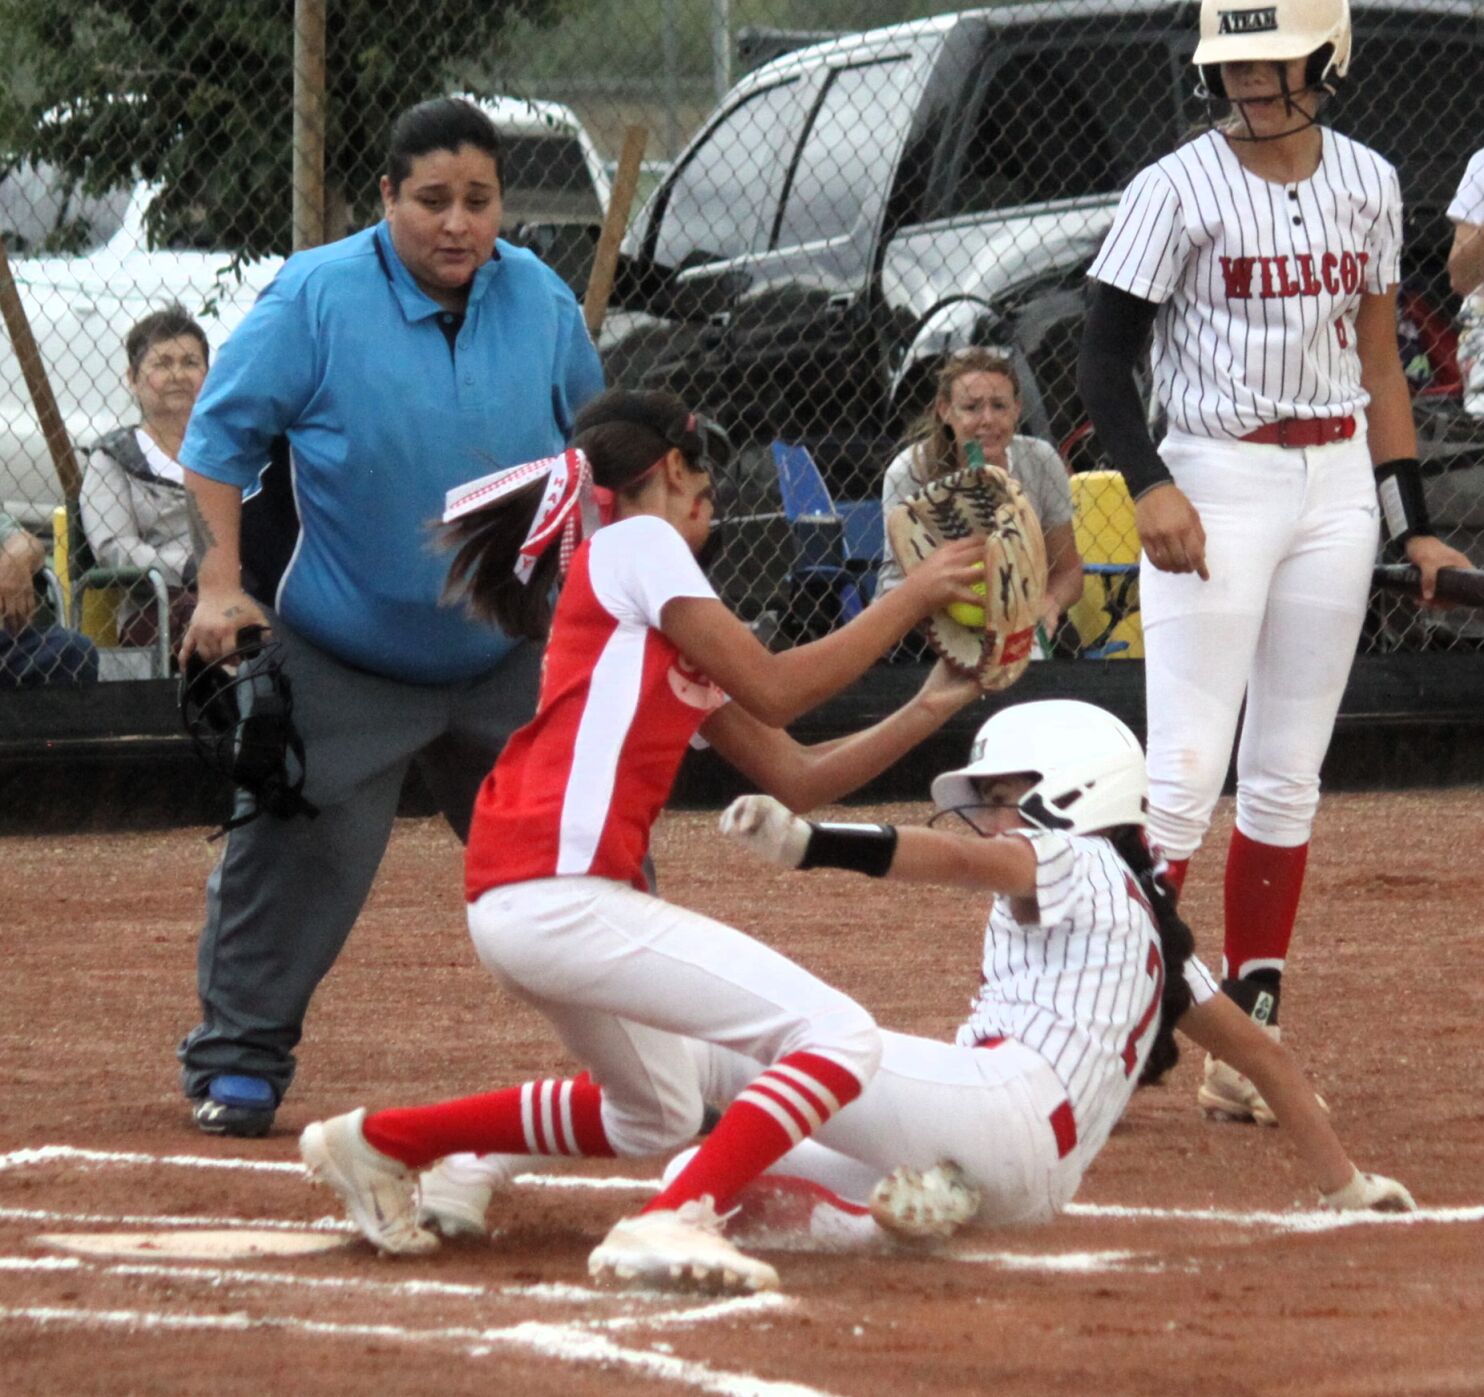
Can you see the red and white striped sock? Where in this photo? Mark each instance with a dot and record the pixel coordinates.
(552, 1117)
(775, 1111)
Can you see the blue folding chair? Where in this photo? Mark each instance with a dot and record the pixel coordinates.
(838, 548)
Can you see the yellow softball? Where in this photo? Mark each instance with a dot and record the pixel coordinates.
(966, 613)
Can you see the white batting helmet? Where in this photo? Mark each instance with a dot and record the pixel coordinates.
(1089, 767)
(1235, 32)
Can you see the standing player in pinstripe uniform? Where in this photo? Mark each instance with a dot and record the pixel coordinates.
(1265, 256)
(1086, 971)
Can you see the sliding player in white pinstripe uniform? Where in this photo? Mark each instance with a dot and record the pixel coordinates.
(1086, 970)
(1265, 256)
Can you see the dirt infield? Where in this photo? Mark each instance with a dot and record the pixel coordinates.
(1191, 1264)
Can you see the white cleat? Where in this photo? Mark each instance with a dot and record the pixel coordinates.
(1226, 1095)
(377, 1190)
(925, 1206)
(679, 1250)
(454, 1194)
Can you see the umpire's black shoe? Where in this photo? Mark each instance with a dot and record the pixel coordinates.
(242, 1106)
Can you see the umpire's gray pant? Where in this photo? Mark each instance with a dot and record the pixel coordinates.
(286, 893)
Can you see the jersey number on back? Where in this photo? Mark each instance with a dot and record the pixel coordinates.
(1154, 967)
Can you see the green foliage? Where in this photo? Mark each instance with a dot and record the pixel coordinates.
(199, 97)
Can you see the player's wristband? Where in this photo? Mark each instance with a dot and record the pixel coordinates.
(867, 849)
(1403, 505)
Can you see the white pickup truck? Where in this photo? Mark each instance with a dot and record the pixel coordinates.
(81, 306)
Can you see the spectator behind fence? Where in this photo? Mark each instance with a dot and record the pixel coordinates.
(32, 655)
(133, 492)
(398, 363)
(978, 399)
(1466, 274)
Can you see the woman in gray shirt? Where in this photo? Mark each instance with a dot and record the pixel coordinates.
(133, 495)
(978, 399)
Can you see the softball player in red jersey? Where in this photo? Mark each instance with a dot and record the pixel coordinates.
(641, 656)
(1265, 255)
(1086, 970)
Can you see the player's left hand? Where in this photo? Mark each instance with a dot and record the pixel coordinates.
(1370, 1193)
(768, 828)
(946, 690)
(1428, 553)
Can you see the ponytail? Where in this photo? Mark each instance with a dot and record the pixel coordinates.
(485, 545)
(624, 435)
(1176, 945)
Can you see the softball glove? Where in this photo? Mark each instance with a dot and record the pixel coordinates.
(994, 645)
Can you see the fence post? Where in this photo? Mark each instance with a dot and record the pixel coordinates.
(13, 310)
(309, 123)
(615, 221)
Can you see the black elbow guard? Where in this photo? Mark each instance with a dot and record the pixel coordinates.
(1403, 505)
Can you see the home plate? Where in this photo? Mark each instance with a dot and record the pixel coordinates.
(235, 1244)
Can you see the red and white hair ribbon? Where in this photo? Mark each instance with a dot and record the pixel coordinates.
(572, 506)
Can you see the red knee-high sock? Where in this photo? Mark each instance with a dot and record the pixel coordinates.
(1175, 871)
(792, 1099)
(550, 1117)
(1263, 883)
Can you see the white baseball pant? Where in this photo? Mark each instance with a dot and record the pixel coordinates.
(987, 1109)
(637, 988)
(1291, 536)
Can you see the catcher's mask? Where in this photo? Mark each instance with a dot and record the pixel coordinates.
(1088, 767)
(1233, 31)
(238, 711)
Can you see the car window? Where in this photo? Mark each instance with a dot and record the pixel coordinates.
(547, 178)
(40, 214)
(1064, 123)
(845, 166)
(724, 200)
(1428, 128)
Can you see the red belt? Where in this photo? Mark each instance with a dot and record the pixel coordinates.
(1304, 431)
(1063, 1123)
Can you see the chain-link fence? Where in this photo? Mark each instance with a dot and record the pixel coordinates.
(829, 209)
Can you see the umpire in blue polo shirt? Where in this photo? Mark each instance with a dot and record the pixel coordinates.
(371, 376)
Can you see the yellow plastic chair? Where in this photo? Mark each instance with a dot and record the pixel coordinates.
(1107, 616)
(91, 596)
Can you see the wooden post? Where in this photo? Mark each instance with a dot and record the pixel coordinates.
(309, 123)
(615, 221)
(19, 328)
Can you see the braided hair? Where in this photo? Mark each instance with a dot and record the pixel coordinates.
(1176, 945)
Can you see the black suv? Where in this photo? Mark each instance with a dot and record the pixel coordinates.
(854, 210)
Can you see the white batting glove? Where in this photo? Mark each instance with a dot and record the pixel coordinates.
(767, 828)
(1370, 1192)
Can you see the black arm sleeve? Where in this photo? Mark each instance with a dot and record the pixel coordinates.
(1117, 327)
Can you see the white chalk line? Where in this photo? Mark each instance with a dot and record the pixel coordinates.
(565, 1342)
(1073, 1263)
(72, 1154)
(727, 1308)
(1295, 1220)
(1299, 1220)
(174, 1220)
(52, 1154)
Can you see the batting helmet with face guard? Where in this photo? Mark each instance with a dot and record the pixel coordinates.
(1233, 31)
(1088, 767)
